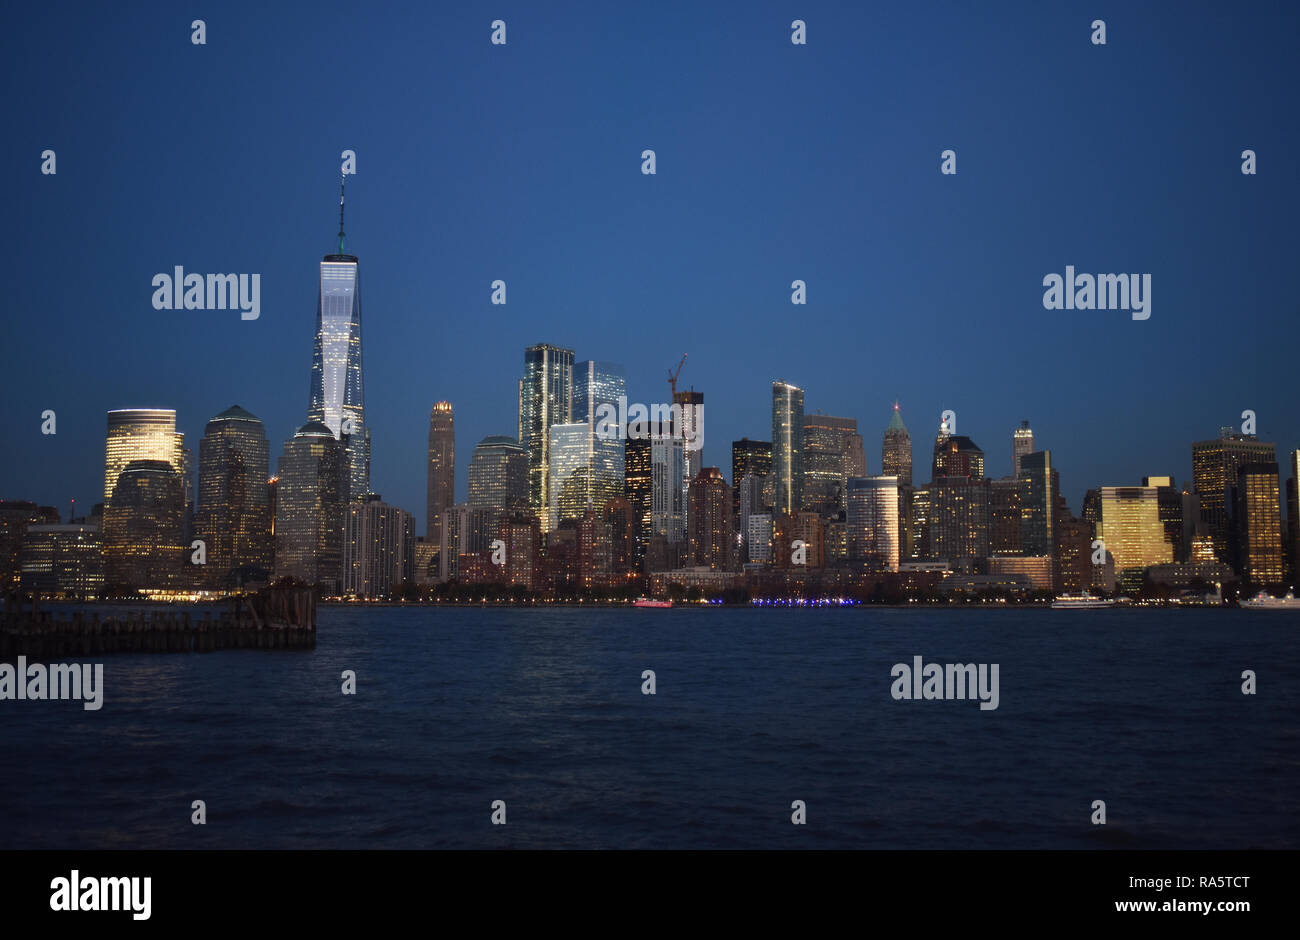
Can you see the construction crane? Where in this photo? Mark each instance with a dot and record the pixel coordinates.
(672, 376)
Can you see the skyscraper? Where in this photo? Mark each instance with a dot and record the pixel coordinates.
(1258, 520)
(598, 388)
(1005, 523)
(957, 455)
(337, 392)
(896, 450)
(1214, 474)
(1040, 486)
(748, 458)
(667, 493)
(570, 472)
(959, 518)
(787, 446)
(1172, 513)
(144, 528)
(442, 468)
(828, 453)
(1131, 528)
(692, 405)
(1022, 442)
(498, 474)
(872, 522)
(638, 487)
(312, 482)
(710, 520)
(232, 514)
(142, 434)
(545, 399)
(378, 548)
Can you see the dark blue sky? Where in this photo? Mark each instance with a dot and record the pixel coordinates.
(775, 162)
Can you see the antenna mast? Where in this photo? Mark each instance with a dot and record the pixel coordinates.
(342, 188)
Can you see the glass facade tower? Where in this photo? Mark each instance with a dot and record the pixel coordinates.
(787, 446)
(545, 399)
(337, 392)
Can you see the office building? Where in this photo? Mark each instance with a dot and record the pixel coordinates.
(787, 447)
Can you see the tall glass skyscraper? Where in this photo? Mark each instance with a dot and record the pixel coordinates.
(873, 523)
(545, 399)
(597, 384)
(233, 514)
(498, 474)
(570, 462)
(310, 509)
(337, 393)
(787, 446)
(827, 445)
(442, 468)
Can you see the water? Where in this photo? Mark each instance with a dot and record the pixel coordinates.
(754, 709)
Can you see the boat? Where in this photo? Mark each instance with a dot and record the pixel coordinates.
(647, 602)
(1084, 601)
(1266, 601)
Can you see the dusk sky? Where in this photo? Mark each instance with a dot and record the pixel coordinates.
(775, 162)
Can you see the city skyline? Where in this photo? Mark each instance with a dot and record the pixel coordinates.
(1114, 399)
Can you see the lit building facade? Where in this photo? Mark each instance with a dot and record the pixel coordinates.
(1131, 529)
(144, 529)
(378, 548)
(1022, 443)
(141, 434)
(1258, 520)
(787, 447)
(872, 522)
(1040, 488)
(498, 475)
(232, 513)
(896, 450)
(545, 399)
(63, 561)
(638, 488)
(440, 490)
(748, 458)
(311, 496)
(1214, 474)
(710, 520)
(337, 388)
(828, 453)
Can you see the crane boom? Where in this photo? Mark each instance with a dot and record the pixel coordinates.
(673, 373)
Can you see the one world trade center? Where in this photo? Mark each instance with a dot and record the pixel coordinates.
(337, 393)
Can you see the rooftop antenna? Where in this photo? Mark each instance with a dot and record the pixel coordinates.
(342, 188)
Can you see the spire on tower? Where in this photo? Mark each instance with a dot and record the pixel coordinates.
(342, 188)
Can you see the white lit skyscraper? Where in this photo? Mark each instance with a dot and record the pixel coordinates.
(337, 391)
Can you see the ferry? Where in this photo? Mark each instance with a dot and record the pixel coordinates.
(647, 602)
(1084, 601)
(1266, 601)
